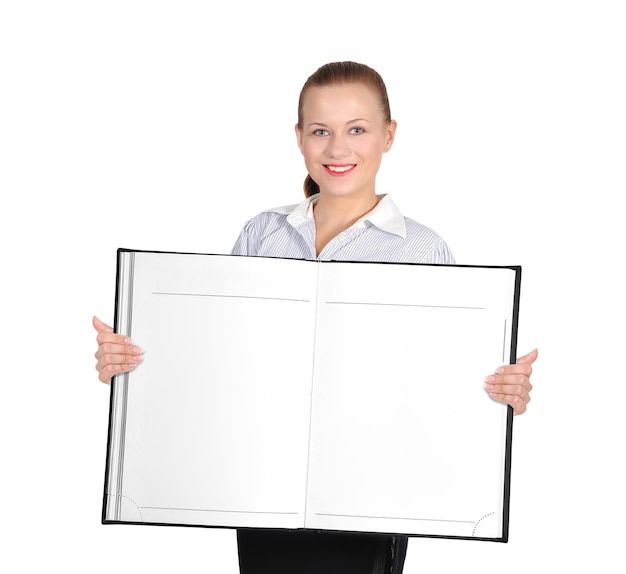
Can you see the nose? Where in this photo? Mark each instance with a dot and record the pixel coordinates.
(338, 146)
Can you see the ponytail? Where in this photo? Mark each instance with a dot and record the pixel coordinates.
(310, 187)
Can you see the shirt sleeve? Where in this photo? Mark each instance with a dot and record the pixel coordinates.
(440, 254)
(245, 242)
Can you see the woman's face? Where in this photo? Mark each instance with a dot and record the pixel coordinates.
(343, 137)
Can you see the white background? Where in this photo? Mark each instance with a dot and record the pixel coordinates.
(166, 125)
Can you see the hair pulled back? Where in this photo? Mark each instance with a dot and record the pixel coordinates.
(337, 73)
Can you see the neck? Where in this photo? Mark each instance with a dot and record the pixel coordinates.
(342, 211)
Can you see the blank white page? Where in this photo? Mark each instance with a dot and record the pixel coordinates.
(404, 438)
(217, 415)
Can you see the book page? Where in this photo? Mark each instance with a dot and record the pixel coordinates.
(404, 438)
(217, 415)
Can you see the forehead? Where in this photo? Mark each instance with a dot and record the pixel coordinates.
(341, 102)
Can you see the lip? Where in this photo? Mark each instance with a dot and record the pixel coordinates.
(350, 168)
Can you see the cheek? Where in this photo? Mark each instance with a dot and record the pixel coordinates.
(311, 149)
(371, 150)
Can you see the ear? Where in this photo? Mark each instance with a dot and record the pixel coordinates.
(390, 134)
(299, 137)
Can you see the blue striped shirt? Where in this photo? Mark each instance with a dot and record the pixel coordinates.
(383, 234)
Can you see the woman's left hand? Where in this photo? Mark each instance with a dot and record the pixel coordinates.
(510, 384)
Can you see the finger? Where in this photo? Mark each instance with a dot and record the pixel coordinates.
(118, 349)
(523, 369)
(107, 337)
(519, 403)
(523, 365)
(108, 359)
(508, 384)
(521, 389)
(529, 358)
(108, 372)
(100, 326)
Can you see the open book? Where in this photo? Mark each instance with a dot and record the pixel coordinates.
(283, 393)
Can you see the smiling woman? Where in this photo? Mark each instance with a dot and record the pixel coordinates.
(344, 128)
(342, 135)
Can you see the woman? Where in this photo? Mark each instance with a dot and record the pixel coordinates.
(344, 128)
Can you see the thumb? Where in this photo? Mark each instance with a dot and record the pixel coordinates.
(100, 326)
(530, 358)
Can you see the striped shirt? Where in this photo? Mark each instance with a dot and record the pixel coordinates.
(383, 235)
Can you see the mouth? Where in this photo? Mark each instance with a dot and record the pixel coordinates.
(338, 170)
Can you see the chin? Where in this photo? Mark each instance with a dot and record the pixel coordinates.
(343, 191)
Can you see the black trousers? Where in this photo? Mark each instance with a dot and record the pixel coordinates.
(319, 552)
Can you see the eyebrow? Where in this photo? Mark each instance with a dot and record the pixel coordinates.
(355, 120)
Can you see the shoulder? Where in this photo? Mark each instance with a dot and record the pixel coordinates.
(265, 219)
(419, 243)
(416, 231)
(426, 241)
(270, 232)
(262, 225)
(292, 213)
(285, 215)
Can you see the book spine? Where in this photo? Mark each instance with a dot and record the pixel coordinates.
(114, 475)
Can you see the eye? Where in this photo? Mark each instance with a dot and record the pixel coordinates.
(357, 131)
(320, 132)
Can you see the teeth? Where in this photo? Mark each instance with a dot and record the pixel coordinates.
(339, 169)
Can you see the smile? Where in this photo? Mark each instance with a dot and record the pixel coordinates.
(338, 170)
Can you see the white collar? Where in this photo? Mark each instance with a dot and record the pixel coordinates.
(385, 215)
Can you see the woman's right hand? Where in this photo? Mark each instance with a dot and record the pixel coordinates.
(116, 353)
